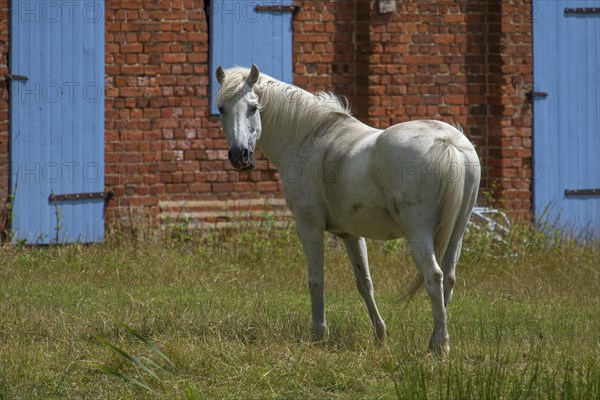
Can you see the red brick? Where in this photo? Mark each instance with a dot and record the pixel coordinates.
(131, 48)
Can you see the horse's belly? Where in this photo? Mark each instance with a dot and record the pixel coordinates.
(358, 207)
(365, 221)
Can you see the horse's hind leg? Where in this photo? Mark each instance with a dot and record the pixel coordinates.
(357, 251)
(449, 262)
(423, 256)
(452, 255)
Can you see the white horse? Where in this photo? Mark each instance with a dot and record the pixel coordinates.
(416, 179)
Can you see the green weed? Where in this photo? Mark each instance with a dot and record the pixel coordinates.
(226, 314)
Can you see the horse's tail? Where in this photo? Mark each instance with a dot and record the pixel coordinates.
(449, 162)
(447, 159)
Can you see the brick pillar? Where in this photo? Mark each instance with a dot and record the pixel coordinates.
(324, 48)
(510, 77)
(156, 105)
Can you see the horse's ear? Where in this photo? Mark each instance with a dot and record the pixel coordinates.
(220, 75)
(253, 76)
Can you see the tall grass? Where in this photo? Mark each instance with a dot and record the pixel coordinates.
(230, 313)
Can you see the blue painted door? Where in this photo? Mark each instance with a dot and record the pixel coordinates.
(245, 32)
(567, 120)
(57, 120)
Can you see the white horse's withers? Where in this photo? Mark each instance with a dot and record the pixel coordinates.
(417, 179)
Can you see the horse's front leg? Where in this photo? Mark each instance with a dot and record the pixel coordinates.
(312, 244)
(357, 251)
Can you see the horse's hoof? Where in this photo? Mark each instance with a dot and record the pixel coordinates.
(320, 332)
(440, 349)
(381, 342)
(380, 339)
(380, 331)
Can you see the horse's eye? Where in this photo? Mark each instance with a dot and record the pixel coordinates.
(253, 108)
(221, 110)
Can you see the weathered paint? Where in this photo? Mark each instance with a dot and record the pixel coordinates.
(57, 119)
(567, 121)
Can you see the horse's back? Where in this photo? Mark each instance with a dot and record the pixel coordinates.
(408, 145)
(418, 136)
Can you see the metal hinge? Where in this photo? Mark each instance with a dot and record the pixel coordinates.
(15, 77)
(81, 196)
(291, 8)
(534, 95)
(583, 10)
(582, 192)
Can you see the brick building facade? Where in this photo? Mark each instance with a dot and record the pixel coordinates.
(464, 62)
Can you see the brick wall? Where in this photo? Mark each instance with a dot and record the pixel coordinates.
(165, 155)
(465, 62)
(511, 125)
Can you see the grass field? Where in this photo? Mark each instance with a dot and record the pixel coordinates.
(227, 316)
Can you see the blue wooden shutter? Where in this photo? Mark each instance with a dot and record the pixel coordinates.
(566, 121)
(57, 119)
(241, 35)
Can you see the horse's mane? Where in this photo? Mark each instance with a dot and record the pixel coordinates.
(282, 104)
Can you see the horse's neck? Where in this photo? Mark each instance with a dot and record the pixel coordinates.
(275, 141)
(284, 130)
(281, 136)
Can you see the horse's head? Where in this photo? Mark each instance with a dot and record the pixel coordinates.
(240, 116)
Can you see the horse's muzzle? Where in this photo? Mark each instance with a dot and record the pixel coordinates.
(242, 159)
